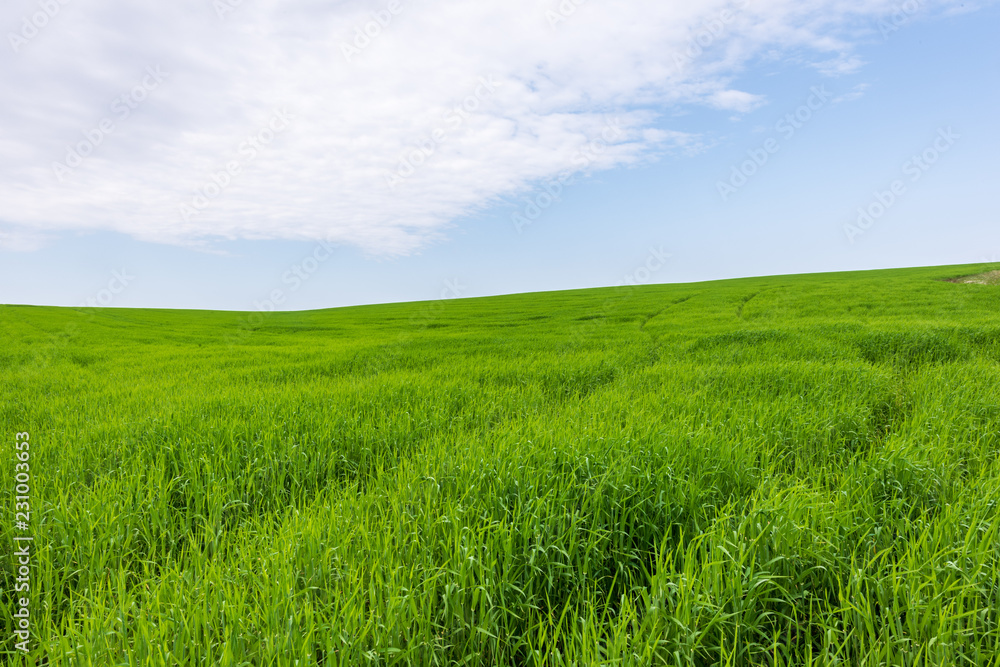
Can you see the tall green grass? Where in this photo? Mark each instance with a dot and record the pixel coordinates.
(797, 470)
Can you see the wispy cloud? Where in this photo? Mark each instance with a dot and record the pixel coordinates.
(839, 66)
(412, 75)
(16, 239)
(856, 93)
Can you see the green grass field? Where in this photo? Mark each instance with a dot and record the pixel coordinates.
(778, 471)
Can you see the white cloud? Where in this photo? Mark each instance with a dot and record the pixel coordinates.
(845, 63)
(856, 93)
(21, 240)
(497, 96)
(735, 100)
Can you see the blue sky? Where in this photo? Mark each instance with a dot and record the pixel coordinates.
(903, 98)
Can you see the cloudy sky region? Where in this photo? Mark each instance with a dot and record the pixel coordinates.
(218, 153)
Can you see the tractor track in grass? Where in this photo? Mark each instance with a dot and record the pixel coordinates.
(745, 301)
(667, 307)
